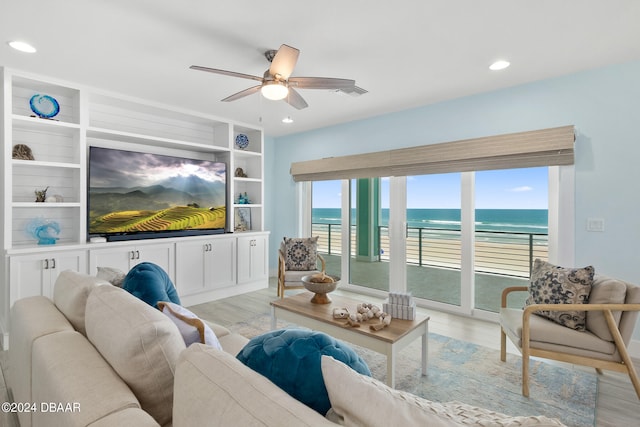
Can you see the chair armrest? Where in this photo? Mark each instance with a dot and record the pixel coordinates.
(281, 263)
(582, 307)
(507, 291)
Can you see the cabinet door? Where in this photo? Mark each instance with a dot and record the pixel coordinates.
(36, 274)
(160, 254)
(76, 261)
(120, 258)
(190, 270)
(29, 276)
(220, 264)
(252, 258)
(259, 268)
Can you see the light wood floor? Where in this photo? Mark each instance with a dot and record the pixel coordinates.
(617, 403)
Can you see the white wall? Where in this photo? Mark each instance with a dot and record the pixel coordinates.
(603, 104)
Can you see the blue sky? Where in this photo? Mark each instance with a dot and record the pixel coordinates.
(501, 189)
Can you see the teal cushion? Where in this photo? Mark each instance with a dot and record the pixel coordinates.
(151, 284)
(290, 358)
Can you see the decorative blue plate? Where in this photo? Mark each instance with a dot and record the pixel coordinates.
(44, 106)
(242, 141)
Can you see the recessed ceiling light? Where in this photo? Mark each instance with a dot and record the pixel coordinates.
(287, 119)
(22, 46)
(499, 65)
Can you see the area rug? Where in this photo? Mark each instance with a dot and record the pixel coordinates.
(472, 374)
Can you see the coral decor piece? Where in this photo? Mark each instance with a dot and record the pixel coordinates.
(41, 195)
(44, 230)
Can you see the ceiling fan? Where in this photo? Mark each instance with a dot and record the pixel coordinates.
(277, 83)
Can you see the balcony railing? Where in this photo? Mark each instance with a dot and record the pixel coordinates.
(498, 252)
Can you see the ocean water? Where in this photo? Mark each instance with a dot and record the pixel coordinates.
(533, 221)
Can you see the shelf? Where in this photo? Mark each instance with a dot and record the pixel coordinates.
(246, 153)
(41, 164)
(32, 122)
(135, 138)
(45, 205)
(241, 179)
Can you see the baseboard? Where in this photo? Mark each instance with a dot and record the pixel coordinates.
(216, 294)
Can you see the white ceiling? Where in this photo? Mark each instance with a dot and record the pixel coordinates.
(406, 53)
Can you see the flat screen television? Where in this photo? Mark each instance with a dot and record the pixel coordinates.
(135, 195)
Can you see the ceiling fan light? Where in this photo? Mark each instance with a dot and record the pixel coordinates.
(274, 91)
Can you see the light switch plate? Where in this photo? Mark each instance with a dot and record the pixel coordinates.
(595, 224)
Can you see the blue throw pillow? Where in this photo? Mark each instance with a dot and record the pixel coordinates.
(151, 284)
(290, 358)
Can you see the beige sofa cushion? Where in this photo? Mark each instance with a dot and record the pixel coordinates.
(139, 342)
(68, 369)
(213, 388)
(548, 335)
(130, 417)
(70, 294)
(31, 318)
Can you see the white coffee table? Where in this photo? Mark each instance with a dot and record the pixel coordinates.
(389, 341)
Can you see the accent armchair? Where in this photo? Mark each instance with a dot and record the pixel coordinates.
(611, 314)
(297, 257)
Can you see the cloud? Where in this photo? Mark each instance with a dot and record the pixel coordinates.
(521, 189)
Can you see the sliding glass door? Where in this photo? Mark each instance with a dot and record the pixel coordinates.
(433, 243)
(369, 236)
(455, 241)
(326, 222)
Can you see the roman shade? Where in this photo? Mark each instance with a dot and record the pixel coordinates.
(545, 147)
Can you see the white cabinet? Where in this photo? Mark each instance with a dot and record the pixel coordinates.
(124, 257)
(205, 265)
(252, 258)
(36, 274)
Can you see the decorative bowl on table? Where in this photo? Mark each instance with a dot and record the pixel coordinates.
(320, 284)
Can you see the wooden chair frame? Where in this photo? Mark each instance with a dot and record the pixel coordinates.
(625, 366)
(282, 270)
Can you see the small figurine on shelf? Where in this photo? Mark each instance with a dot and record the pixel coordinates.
(240, 173)
(41, 195)
(243, 199)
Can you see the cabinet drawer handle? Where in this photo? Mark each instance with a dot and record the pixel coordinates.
(53, 263)
(45, 264)
(137, 254)
(133, 255)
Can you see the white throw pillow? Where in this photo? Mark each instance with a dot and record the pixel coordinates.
(111, 275)
(360, 400)
(190, 326)
(363, 401)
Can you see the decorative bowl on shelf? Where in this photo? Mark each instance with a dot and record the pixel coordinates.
(44, 106)
(242, 141)
(320, 284)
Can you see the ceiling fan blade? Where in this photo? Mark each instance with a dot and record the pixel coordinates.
(295, 100)
(242, 93)
(321, 83)
(284, 61)
(226, 73)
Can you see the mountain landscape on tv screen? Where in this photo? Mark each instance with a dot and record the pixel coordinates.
(165, 203)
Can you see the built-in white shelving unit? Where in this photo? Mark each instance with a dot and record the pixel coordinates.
(92, 117)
